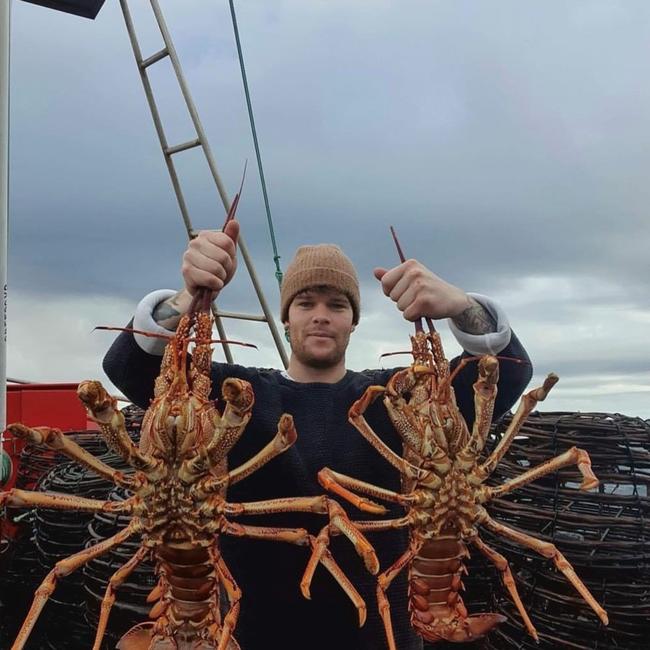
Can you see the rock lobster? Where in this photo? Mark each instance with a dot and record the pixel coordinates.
(178, 502)
(443, 491)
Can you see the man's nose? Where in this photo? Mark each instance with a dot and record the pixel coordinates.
(321, 314)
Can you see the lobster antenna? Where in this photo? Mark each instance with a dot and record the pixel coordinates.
(400, 252)
(170, 337)
(235, 202)
(196, 299)
(202, 298)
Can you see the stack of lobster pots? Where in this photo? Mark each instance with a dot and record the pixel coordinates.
(604, 533)
(48, 536)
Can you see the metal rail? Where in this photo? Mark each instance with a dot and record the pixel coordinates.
(200, 141)
(5, 21)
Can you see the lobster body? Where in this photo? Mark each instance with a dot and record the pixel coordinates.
(443, 502)
(443, 491)
(178, 500)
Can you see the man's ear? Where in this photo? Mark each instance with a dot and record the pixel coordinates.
(353, 328)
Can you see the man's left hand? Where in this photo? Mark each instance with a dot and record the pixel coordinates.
(420, 293)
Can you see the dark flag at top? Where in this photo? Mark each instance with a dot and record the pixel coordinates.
(85, 8)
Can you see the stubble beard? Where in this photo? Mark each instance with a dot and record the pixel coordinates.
(320, 362)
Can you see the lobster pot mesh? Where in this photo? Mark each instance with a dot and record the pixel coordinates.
(604, 533)
(35, 461)
(133, 416)
(50, 536)
(44, 541)
(130, 606)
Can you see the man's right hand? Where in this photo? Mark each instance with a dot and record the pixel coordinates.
(211, 259)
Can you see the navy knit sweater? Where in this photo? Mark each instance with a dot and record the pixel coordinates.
(273, 612)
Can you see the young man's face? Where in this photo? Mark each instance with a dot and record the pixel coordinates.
(320, 323)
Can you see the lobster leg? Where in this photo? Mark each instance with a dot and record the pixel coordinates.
(414, 381)
(56, 440)
(527, 404)
(297, 536)
(229, 428)
(383, 582)
(485, 392)
(506, 576)
(116, 580)
(337, 573)
(339, 523)
(61, 569)
(358, 421)
(384, 524)
(572, 456)
(547, 550)
(234, 596)
(102, 408)
(16, 498)
(339, 484)
(283, 439)
(303, 538)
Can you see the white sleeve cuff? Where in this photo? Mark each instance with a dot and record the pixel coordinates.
(143, 320)
(490, 343)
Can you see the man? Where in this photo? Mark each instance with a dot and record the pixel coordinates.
(320, 307)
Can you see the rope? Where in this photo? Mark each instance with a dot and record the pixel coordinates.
(276, 257)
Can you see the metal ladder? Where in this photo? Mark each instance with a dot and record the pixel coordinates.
(200, 141)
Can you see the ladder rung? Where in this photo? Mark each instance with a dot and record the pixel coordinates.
(154, 58)
(229, 314)
(182, 147)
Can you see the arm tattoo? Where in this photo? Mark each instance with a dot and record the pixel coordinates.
(475, 319)
(168, 313)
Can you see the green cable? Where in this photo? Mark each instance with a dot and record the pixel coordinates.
(276, 257)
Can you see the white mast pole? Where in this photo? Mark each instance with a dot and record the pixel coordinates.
(5, 17)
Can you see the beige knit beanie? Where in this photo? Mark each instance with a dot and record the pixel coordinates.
(324, 264)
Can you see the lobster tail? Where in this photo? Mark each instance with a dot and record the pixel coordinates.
(459, 630)
(140, 637)
(437, 610)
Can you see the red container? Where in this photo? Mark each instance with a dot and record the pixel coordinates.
(51, 405)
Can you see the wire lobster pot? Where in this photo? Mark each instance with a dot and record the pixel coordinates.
(130, 605)
(51, 536)
(605, 533)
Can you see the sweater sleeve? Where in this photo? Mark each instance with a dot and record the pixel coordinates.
(515, 367)
(132, 363)
(492, 342)
(132, 369)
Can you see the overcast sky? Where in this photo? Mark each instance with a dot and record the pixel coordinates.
(507, 141)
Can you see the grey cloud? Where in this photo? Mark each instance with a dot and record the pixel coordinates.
(504, 142)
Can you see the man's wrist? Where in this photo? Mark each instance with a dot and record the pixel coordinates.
(475, 319)
(168, 313)
(490, 342)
